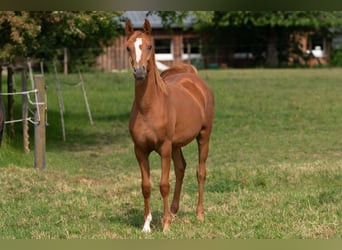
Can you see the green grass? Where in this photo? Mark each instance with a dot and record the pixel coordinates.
(274, 167)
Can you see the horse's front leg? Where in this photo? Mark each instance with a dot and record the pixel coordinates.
(142, 157)
(165, 153)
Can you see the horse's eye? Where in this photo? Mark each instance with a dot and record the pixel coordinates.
(128, 49)
(149, 47)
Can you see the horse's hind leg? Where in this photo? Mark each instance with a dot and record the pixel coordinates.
(203, 149)
(179, 164)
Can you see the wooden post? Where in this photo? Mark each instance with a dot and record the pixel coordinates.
(189, 52)
(0, 78)
(10, 99)
(2, 119)
(65, 61)
(39, 130)
(29, 65)
(85, 98)
(60, 101)
(2, 108)
(26, 141)
(42, 67)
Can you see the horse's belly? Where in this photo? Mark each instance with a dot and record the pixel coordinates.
(185, 137)
(188, 126)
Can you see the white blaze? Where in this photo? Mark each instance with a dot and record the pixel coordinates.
(137, 44)
(147, 228)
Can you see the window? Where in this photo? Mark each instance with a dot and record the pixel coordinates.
(163, 49)
(192, 47)
(316, 46)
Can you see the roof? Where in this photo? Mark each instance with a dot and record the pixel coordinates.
(138, 17)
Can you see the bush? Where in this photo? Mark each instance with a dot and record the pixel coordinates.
(336, 58)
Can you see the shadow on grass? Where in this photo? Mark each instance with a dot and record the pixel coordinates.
(107, 129)
(133, 217)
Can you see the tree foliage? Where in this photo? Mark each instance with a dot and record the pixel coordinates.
(199, 18)
(270, 31)
(295, 19)
(41, 33)
(17, 31)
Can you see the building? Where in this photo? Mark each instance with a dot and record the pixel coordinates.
(235, 47)
(316, 50)
(171, 46)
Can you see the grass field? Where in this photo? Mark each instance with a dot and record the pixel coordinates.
(274, 168)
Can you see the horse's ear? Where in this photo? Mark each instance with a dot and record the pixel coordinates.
(147, 27)
(129, 28)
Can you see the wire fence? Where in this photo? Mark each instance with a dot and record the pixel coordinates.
(34, 103)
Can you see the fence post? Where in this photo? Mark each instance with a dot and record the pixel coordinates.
(60, 100)
(26, 140)
(39, 130)
(85, 98)
(65, 61)
(10, 99)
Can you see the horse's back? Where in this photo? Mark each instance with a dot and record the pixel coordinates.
(189, 88)
(184, 77)
(192, 84)
(178, 69)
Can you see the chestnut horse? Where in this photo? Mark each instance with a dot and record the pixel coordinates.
(177, 69)
(165, 116)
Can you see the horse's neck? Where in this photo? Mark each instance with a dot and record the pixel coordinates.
(151, 91)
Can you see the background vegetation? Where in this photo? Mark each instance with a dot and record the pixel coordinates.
(43, 35)
(268, 35)
(274, 169)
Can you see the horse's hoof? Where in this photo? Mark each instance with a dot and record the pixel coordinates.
(173, 216)
(166, 228)
(147, 228)
(174, 209)
(200, 217)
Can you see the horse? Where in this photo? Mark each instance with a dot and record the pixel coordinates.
(177, 69)
(166, 116)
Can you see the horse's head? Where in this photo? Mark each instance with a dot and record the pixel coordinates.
(140, 49)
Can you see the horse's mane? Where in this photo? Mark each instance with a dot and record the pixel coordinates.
(159, 80)
(160, 83)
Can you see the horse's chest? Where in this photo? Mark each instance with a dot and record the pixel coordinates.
(147, 130)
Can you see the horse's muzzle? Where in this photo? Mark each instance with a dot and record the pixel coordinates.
(139, 72)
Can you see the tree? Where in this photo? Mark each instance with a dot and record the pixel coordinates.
(17, 30)
(265, 28)
(41, 33)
